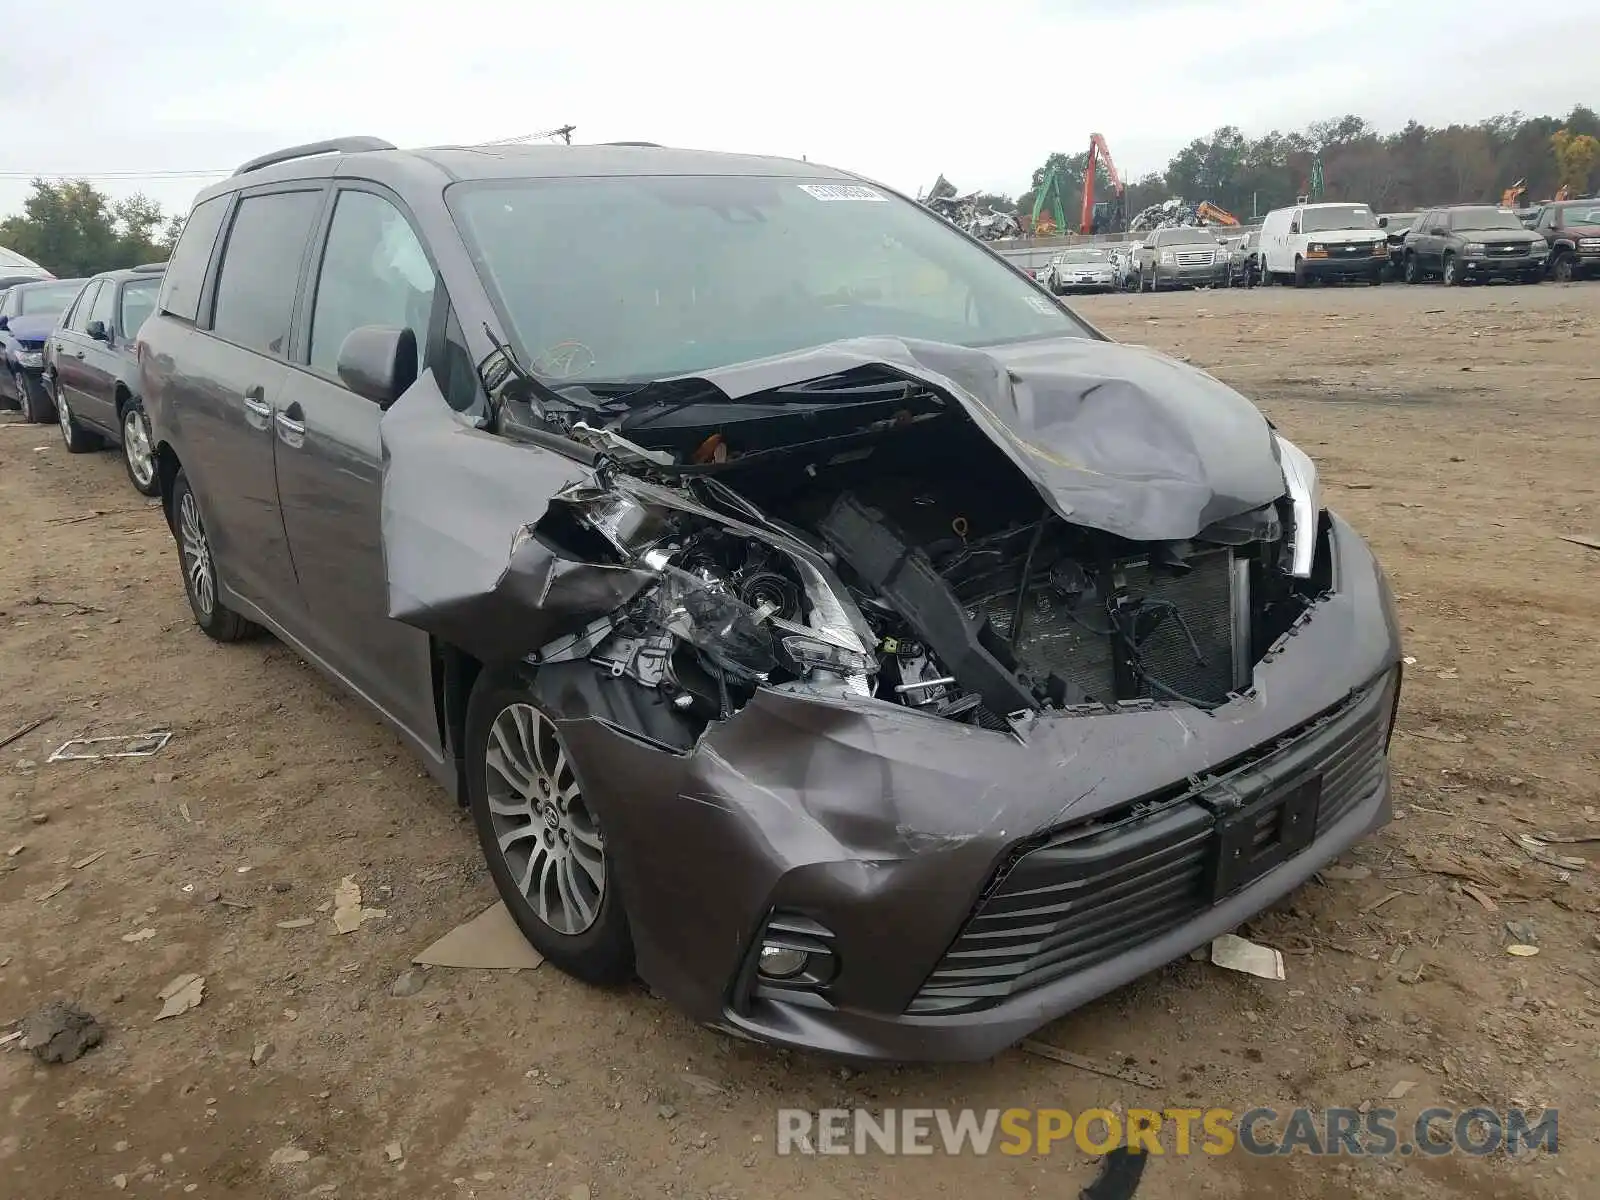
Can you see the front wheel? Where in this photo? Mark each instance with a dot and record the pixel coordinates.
(541, 835)
(1300, 277)
(216, 620)
(1413, 272)
(137, 455)
(1452, 271)
(78, 440)
(1377, 278)
(35, 404)
(1565, 269)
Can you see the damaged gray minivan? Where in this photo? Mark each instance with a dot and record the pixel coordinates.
(817, 617)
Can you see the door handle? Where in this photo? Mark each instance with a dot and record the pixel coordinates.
(289, 425)
(292, 426)
(77, 354)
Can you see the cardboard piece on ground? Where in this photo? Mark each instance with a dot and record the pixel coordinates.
(1237, 954)
(490, 941)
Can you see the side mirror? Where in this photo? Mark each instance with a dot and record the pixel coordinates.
(1383, 222)
(5, 322)
(98, 331)
(378, 362)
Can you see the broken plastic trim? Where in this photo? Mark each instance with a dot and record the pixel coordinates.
(1300, 477)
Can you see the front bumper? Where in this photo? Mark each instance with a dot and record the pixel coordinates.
(1198, 276)
(1501, 266)
(1098, 283)
(1338, 265)
(885, 829)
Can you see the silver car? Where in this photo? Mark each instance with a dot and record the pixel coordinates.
(1081, 269)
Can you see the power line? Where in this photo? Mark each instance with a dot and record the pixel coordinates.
(69, 175)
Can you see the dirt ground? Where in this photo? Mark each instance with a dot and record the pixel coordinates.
(1460, 430)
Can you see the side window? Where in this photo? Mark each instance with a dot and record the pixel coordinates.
(1294, 223)
(373, 272)
(186, 273)
(10, 307)
(261, 269)
(82, 310)
(105, 305)
(138, 301)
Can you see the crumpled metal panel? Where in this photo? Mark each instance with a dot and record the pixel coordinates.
(1118, 438)
(460, 557)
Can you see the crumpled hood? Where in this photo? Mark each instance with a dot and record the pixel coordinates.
(32, 329)
(1115, 437)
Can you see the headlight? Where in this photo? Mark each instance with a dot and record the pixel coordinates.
(31, 358)
(1316, 248)
(1166, 257)
(1474, 247)
(1380, 247)
(1305, 495)
(1539, 249)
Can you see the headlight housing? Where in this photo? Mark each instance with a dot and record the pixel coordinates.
(1305, 497)
(1168, 257)
(1539, 249)
(31, 358)
(1316, 248)
(1474, 247)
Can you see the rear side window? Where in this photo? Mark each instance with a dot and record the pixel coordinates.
(138, 301)
(186, 273)
(261, 268)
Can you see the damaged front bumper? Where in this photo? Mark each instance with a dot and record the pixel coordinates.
(952, 888)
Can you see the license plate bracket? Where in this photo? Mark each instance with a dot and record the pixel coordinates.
(1255, 837)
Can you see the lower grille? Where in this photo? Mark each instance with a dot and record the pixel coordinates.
(1098, 890)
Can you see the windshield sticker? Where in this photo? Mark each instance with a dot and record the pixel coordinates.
(843, 191)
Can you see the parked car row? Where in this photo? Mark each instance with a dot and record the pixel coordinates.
(775, 573)
(1465, 244)
(68, 348)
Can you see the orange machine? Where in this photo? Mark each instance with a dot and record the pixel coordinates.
(1098, 153)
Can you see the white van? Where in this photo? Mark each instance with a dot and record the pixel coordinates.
(1322, 241)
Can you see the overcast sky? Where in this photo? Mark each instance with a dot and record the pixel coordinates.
(896, 89)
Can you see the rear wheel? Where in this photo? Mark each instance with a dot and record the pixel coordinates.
(137, 455)
(1452, 271)
(216, 620)
(541, 835)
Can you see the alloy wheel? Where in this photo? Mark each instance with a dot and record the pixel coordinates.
(136, 448)
(24, 398)
(64, 417)
(547, 836)
(197, 555)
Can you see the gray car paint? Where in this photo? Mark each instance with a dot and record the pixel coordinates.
(887, 820)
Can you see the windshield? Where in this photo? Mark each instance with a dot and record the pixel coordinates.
(1185, 236)
(1340, 216)
(1086, 256)
(1580, 214)
(138, 302)
(45, 300)
(1485, 218)
(648, 277)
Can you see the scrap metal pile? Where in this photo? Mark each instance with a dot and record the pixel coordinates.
(1169, 214)
(965, 213)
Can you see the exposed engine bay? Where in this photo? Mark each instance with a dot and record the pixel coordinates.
(866, 539)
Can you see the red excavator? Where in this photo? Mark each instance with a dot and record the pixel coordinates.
(1115, 218)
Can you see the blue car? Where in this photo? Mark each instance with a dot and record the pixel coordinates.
(27, 315)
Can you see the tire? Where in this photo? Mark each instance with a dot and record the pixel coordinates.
(1300, 279)
(78, 439)
(1565, 268)
(36, 406)
(1146, 283)
(1266, 275)
(1452, 271)
(1412, 272)
(1534, 276)
(216, 620)
(138, 454)
(551, 835)
(1377, 278)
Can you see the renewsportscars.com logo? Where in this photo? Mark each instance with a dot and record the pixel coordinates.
(1378, 1132)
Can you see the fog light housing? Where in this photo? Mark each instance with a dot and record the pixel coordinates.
(781, 962)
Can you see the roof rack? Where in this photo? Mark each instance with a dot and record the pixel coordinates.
(149, 268)
(649, 145)
(344, 145)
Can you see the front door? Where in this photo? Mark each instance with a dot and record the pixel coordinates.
(372, 270)
(238, 373)
(99, 364)
(72, 346)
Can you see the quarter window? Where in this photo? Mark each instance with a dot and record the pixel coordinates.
(261, 269)
(78, 319)
(374, 272)
(138, 301)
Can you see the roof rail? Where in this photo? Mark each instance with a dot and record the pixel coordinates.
(344, 145)
(149, 268)
(650, 145)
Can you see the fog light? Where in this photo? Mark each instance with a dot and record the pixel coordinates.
(781, 962)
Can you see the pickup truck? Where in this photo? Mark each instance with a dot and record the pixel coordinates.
(1571, 228)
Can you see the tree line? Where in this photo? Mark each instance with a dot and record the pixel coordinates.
(1418, 167)
(73, 229)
